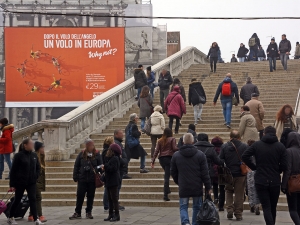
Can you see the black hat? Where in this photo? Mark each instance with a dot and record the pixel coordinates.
(38, 145)
(140, 66)
(254, 95)
(4, 121)
(149, 68)
(297, 43)
(272, 38)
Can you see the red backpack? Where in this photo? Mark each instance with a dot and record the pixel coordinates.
(226, 89)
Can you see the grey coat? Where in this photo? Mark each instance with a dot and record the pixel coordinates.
(145, 105)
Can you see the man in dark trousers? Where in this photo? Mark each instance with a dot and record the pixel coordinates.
(272, 53)
(284, 51)
(247, 90)
(254, 42)
(164, 82)
(189, 171)
(271, 160)
(140, 80)
(228, 89)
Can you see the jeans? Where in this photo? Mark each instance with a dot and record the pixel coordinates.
(139, 92)
(143, 120)
(151, 86)
(165, 162)
(171, 118)
(85, 189)
(163, 94)
(197, 111)
(31, 193)
(235, 205)
(268, 196)
(260, 58)
(5, 157)
(142, 161)
(184, 205)
(113, 200)
(213, 61)
(241, 59)
(227, 107)
(272, 59)
(154, 142)
(253, 53)
(293, 200)
(284, 58)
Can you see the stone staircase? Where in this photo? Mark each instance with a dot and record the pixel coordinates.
(275, 88)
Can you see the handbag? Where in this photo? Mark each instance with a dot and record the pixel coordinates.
(224, 176)
(130, 140)
(244, 168)
(147, 127)
(98, 179)
(202, 99)
(234, 101)
(294, 183)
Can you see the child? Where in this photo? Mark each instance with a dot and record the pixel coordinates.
(39, 148)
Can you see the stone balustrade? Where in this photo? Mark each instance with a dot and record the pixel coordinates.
(64, 135)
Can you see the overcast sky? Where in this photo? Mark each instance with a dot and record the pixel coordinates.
(229, 33)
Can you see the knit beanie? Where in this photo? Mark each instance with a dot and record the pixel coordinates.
(116, 149)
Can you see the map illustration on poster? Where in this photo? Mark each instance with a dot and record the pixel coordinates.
(61, 67)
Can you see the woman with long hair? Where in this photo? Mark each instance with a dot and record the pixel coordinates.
(113, 180)
(213, 54)
(88, 162)
(285, 119)
(24, 173)
(165, 148)
(145, 103)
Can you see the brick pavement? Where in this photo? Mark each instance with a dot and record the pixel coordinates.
(143, 216)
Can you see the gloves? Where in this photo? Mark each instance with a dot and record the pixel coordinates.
(284, 191)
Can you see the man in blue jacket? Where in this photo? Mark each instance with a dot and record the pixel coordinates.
(228, 90)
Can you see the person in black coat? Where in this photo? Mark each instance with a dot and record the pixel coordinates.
(191, 130)
(212, 158)
(272, 53)
(293, 152)
(247, 90)
(190, 171)
(233, 58)
(213, 54)
(231, 153)
(254, 42)
(88, 162)
(140, 79)
(23, 176)
(271, 160)
(113, 180)
(137, 151)
(242, 52)
(165, 80)
(195, 92)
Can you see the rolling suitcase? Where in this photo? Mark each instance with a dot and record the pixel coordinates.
(21, 209)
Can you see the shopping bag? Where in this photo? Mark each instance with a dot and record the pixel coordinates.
(208, 214)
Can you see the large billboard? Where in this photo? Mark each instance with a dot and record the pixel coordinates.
(61, 67)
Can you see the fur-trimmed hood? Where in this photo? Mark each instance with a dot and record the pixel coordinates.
(7, 127)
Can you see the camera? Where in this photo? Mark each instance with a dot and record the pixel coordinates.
(87, 168)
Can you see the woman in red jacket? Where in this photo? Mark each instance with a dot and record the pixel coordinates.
(175, 107)
(6, 144)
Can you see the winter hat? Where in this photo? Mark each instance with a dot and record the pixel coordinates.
(297, 43)
(254, 95)
(140, 66)
(38, 145)
(272, 38)
(149, 68)
(4, 121)
(157, 108)
(88, 140)
(176, 88)
(116, 149)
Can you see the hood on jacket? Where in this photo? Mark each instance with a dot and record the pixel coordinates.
(188, 150)
(204, 143)
(217, 142)
(227, 80)
(157, 108)
(254, 35)
(293, 140)
(244, 113)
(137, 70)
(192, 132)
(269, 138)
(7, 127)
(177, 89)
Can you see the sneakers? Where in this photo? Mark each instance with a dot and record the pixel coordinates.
(200, 119)
(144, 171)
(121, 208)
(38, 222)
(75, 216)
(229, 215)
(228, 126)
(30, 219)
(11, 221)
(195, 124)
(43, 219)
(89, 216)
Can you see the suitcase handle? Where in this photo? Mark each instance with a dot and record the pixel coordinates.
(4, 197)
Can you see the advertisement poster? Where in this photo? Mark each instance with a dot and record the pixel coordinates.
(61, 67)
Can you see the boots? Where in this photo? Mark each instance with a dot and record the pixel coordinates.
(110, 216)
(166, 192)
(115, 218)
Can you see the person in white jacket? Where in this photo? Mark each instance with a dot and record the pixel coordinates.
(157, 126)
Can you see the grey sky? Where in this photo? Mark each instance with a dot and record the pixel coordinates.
(229, 33)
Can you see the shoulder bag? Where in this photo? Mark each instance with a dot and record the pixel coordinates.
(244, 168)
(171, 101)
(202, 99)
(130, 140)
(147, 127)
(224, 176)
(98, 179)
(151, 106)
(294, 184)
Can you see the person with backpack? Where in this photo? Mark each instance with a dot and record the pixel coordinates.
(213, 54)
(197, 98)
(145, 104)
(272, 53)
(88, 162)
(175, 107)
(164, 82)
(254, 42)
(133, 148)
(140, 80)
(166, 147)
(228, 90)
(261, 56)
(242, 52)
(284, 51)
(191, 130)
(6, 144)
